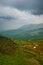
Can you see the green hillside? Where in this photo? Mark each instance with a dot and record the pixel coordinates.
(7, 46)
(19, 52)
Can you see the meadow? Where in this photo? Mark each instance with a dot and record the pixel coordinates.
(21, 52)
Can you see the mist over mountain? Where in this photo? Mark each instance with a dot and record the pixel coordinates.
(32, 31)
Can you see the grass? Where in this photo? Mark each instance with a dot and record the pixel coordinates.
(15, 54)
(20, 58)
(17, 59)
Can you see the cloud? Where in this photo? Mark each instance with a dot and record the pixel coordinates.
(6, 17)
(20, 18)
(36, 6)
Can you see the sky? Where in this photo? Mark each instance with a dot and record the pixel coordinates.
(16, 13)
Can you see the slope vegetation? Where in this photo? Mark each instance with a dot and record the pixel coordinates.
(7, 46)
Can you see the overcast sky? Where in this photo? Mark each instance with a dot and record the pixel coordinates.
(15, 13)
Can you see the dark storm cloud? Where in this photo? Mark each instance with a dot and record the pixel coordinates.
(35, 6)
(6, 17)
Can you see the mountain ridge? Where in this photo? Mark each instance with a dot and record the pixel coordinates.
(25, 31)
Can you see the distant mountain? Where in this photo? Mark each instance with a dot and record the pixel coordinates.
(31, 35)
(33, 31)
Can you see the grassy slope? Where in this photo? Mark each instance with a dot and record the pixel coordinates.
(7, 46)
(23, 55)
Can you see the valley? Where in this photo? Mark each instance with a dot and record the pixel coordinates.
(26, 32)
